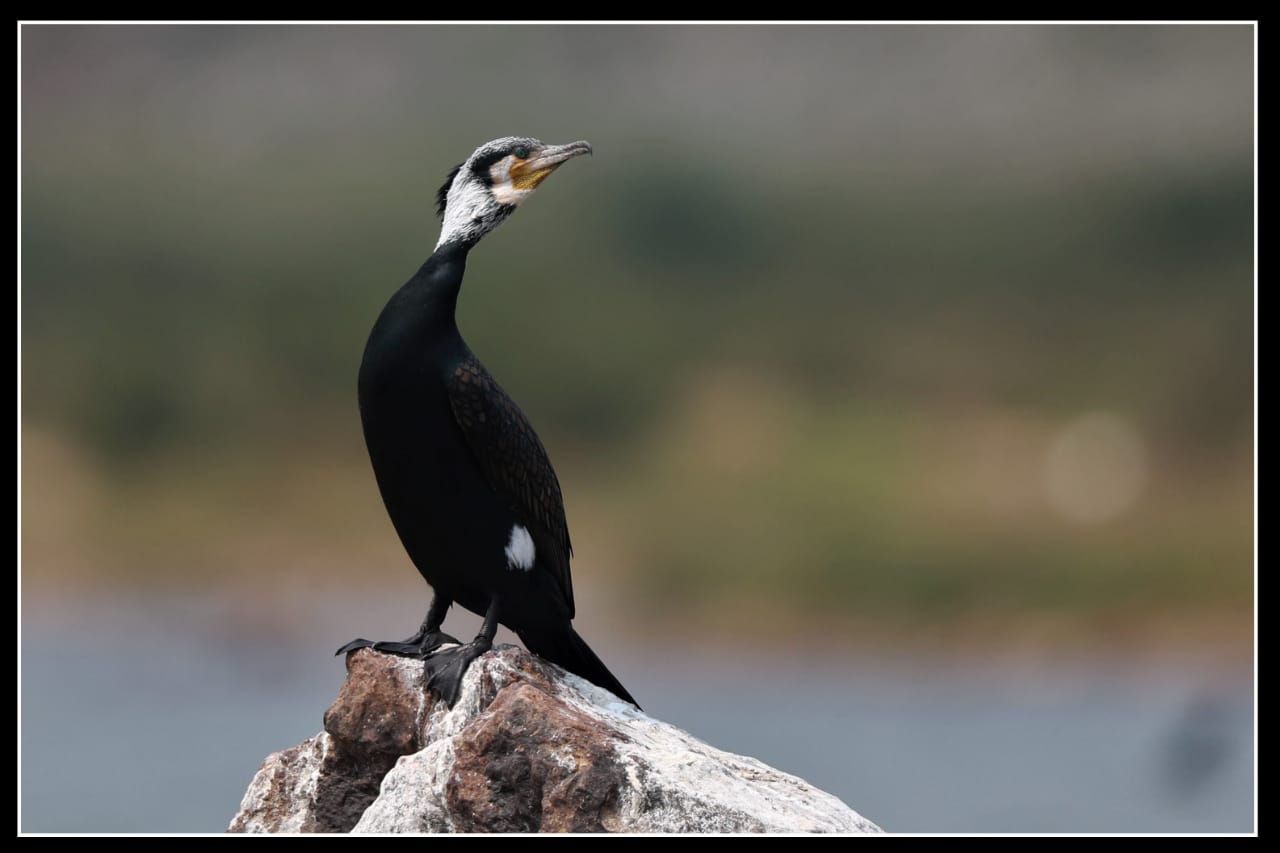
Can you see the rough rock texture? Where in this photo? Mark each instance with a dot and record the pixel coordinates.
(528, 748)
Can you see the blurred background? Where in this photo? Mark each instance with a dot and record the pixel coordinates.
(899, 380)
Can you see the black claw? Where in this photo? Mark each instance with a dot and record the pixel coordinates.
(358, 643)
(397, 648)
(418, 646)
(418, 649)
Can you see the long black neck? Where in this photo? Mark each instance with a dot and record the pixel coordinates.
(433, 291)
(418, 322)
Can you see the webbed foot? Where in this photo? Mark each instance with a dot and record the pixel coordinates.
(419, 645)
(444, 669)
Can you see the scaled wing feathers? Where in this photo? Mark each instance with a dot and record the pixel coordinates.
(514, 462)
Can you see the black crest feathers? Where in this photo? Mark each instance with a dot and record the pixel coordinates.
(442, 195)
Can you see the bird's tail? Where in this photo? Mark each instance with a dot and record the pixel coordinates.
(566, 648)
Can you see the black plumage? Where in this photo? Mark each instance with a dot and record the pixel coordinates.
(515, 463)
(468, 484)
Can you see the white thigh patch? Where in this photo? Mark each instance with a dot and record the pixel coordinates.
(519, 549)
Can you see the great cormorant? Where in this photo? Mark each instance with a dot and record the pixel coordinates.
(467, 483)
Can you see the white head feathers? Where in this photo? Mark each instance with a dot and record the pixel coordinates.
(482, 192)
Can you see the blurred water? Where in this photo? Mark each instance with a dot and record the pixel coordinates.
(153, 716)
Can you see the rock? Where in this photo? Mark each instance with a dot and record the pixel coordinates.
(527, 748)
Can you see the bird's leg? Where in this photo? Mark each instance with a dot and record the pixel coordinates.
(428, 639)
(445, 669)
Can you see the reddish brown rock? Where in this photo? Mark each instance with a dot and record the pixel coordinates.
(377, 718)
(530, 763)
(527, 748)
(332, 778)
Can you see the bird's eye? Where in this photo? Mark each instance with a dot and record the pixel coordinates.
(522, 152)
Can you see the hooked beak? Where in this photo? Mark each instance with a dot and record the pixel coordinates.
(528, 174)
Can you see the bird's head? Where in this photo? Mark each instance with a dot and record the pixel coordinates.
(494, 180)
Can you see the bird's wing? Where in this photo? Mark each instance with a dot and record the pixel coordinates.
(514, 462)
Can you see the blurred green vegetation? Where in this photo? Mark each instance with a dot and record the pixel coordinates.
(772, 381)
